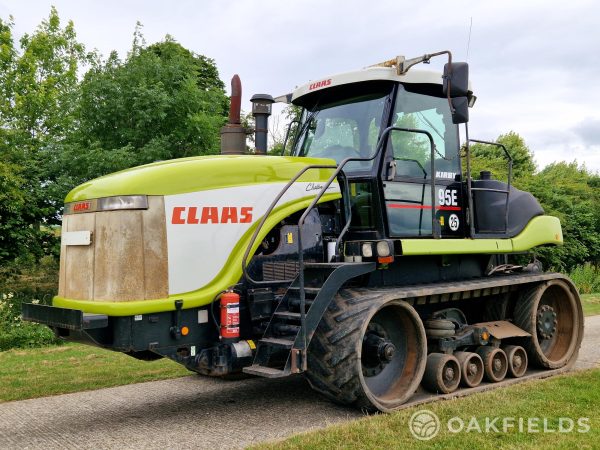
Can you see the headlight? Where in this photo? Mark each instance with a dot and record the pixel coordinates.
(367, 249)
(107, 204)
(383, 248)
(123, 202)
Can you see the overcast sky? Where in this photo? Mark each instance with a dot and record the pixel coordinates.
(534, 65)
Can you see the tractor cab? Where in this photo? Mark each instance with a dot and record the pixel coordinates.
(414, 181)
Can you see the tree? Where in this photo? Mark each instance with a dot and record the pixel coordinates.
(39, 90)
(569, 192)
(161, 102)
(14, 234)
(493, 158)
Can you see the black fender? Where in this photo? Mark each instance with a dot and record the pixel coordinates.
(341, 274)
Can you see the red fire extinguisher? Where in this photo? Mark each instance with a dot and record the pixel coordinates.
(230, 316)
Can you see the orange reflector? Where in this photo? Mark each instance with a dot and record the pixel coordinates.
(385, 259)
(485, 335)
(185, 331)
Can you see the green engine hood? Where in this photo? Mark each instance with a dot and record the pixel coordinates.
(199, 173)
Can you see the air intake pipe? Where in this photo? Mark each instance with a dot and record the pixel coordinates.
(261, 110)
(233, 135)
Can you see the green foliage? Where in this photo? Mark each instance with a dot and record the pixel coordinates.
(587, 278)
(14, 332)
(569, 192)
(14, 237)
(161, 102)
(26, 281)
(492, 158)
(39, 87)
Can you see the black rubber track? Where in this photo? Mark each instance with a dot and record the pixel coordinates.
(496, 308)
(334, 351)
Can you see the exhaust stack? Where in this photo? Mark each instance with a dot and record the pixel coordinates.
(233, 135)
(261, 110)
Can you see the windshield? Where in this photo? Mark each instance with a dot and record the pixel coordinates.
(341, 126)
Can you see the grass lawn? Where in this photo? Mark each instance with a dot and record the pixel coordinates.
(74, 367)
(591, 304)
(571, 396)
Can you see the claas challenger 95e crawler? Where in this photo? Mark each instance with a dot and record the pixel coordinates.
(368, 259)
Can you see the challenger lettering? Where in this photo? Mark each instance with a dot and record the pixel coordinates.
(194, 215)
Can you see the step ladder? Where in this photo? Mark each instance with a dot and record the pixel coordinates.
(281, 351)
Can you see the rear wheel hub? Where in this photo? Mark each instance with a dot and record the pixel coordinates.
(546, 322)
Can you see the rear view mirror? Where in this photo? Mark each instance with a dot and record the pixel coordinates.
(457, 74)
(461, 110)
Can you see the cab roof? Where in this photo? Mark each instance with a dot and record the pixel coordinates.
(368, 74)
(373, 73)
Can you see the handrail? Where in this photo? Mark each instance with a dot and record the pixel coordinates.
(338, 168)
(266, 216)
(502, 191)
(380, 144)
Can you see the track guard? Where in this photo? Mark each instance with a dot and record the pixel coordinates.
(342, 274)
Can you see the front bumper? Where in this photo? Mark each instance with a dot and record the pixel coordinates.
(68, 319)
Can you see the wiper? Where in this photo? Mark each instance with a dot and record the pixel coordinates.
(311, 115)
(422, 116)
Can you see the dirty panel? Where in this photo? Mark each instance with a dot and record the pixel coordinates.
(63, 260)
(119, 271)
(155, 250)
(79, 261)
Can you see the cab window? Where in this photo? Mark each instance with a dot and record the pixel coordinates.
(412, 151)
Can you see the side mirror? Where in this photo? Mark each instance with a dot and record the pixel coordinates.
(461, 110)
(458, 75)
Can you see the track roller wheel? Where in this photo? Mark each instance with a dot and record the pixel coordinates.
(495, 363)
(442, 373)
(517, 360)
(471, 368)
(551, 312)
(367, 352)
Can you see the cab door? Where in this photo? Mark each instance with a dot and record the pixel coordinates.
(407, 170)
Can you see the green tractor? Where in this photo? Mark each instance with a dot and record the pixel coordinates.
(368, 259)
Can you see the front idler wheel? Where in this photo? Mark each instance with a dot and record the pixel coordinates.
(517, 360)
(471, 368)
(495, 363)
(367, 351)
(442, 374)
